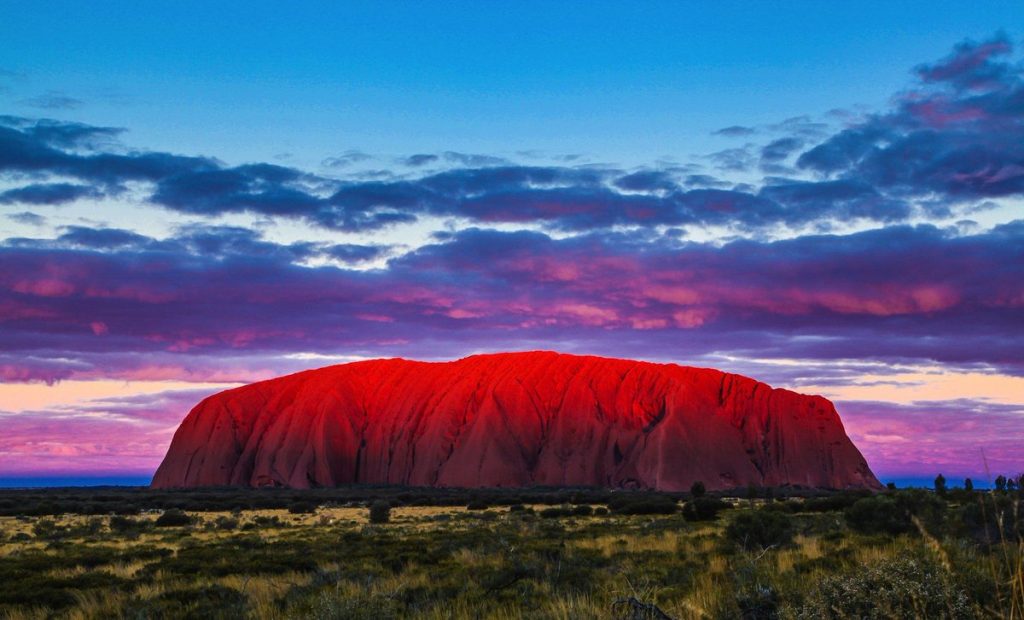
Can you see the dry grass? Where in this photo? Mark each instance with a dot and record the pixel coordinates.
(633, 552)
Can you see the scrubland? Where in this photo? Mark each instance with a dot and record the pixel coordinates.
(586, 554)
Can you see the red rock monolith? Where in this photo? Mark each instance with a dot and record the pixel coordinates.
(513, 420)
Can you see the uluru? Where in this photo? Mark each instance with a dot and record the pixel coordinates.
(513, 420)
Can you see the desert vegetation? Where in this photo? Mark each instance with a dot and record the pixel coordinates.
(385, 552)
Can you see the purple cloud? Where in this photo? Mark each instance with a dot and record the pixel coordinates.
(900, 293)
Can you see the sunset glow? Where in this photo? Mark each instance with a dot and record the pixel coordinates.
(169, 231)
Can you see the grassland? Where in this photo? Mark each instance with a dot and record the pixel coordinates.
(902, 554)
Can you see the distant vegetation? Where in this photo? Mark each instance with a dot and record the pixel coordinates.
(386, 552)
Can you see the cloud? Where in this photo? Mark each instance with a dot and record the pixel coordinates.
(356, 253)
(954, 139)
(115, 434)
(958, 134)
(346, 159)
(101, 238)
(971, 65)
(473, 160)
(898, 293)
(53, 100)
(733, 160)
(421, 159)
(734, 131)
(27, 217)
(778, 151)
(959, 438)
(48, 194)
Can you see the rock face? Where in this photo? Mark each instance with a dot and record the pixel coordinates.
(513, 419)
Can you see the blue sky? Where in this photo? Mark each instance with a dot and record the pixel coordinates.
(199, 195)
(620, 82)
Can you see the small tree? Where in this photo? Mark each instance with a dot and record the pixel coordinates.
(698, 489)
(968, 485)
(1000, 483)
(380, 511)
(940, 485)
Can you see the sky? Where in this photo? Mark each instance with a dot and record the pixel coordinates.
(825, 197)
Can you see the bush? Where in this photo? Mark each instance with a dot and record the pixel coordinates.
(477, 504)
(556, 512)
(893, 588)
(173, 517)
(760, 529)
(226, 523)
(582, 511)
(758, 602)
(878, 515)
(47, 529)
(213, 601)
(698, 489)
(302, 508)
(704, 508)
(992, 518)
(643, 504)
(380, 511)
(893, 514)
(121, 524)
(834, 503)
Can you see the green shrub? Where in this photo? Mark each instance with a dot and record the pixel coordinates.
(226, 523)
(643, 504)
(992, 518)
(556, 512)
(172, 517)
(893, 588)
(47, 529)
(760, 529)
(582, 511)
(894, 514)
(121, 524)
(477, 504)
(759, 602)
(380, 511)
(834, 503)
(213, 602)
(704, 508)
(302, 507)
